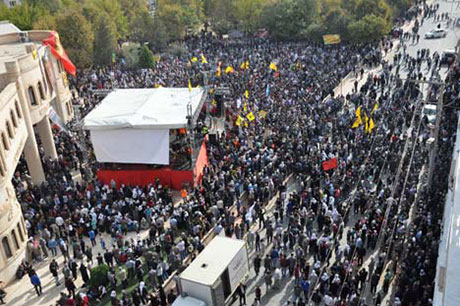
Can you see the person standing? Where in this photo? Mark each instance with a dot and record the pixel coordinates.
(54, 267)
(84, 273)
(242, 293)
(70, 285)
(257, 263)
(35, 280)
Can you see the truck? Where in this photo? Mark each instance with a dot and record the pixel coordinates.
(215, 274)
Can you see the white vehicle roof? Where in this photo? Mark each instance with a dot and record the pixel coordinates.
(213, 260)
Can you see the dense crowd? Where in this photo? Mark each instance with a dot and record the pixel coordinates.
(248, 166)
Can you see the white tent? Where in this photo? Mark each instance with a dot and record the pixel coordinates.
(132, 125)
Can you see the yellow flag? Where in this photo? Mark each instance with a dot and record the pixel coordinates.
(262, 114)
(331, 39)
(244, 106)
(250, 116)
(371, 125)
(213, 102)
(203, 59)
(246, 94)
(219, 72)
(358, 120)
(245, 123)
(245, 65)
(239, 120)
(376, 107)
(273, 66)
(189, 85)
(229, 69)
(194, 59)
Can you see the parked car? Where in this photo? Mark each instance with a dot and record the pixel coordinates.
(438, 33)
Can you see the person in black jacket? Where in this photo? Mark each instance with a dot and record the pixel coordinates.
(84, 273)
(241, 290)
(54, 267)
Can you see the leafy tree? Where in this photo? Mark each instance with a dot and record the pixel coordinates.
(247, 13)
(220, 14)
(99, 275)
(172, 17)
(368, 29)
(104, 41)
(288, 19)
(93, 9)
(160, 36)
(77, 36)
(146, 57)
(142, 28)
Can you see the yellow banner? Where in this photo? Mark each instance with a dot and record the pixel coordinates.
(331, 39)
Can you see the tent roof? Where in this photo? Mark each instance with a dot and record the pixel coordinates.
(146, 108)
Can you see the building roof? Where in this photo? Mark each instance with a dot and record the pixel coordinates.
(146, 108)
(447, 280)
(213, 260)
(6, 27)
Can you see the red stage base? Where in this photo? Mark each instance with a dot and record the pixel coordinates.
(175, 179)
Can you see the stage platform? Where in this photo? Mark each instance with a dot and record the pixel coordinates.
(175, 179)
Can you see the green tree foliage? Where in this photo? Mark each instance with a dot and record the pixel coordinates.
(288, 19)
(105, 42)
(368, 29)
(247, 12)
(77, 36)
(99, 275)
(146, 57)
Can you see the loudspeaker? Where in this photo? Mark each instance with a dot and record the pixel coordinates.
(212, 139)
(219, 104)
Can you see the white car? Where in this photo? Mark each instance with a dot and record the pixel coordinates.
(438, 33)
(430, 111)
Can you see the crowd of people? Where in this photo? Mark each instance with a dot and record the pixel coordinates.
(298, 124)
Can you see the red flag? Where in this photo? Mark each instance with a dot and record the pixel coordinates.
(59, 52)
(330, 164)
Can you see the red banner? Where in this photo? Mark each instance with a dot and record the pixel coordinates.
(330, 164)
(59, 52)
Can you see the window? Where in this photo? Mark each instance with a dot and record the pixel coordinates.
(33, 100)
(6, 247)
(21, 234)
(40, 90)
(5, 142)
(13, 119)
(69, 108)
(2, 167)
(18, 109)
(9, 129)
(12, 3)
(15, 239)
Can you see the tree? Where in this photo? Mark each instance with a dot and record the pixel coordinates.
(160, 35)
(93, 9)
(104, 41)
(368, 29)
(77, 36)
(288, 19)
(171, 16)
(247, 12)
(146, 58)
(142, 28)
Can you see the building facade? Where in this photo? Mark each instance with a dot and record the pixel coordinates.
(11, 3)
(32, 85)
